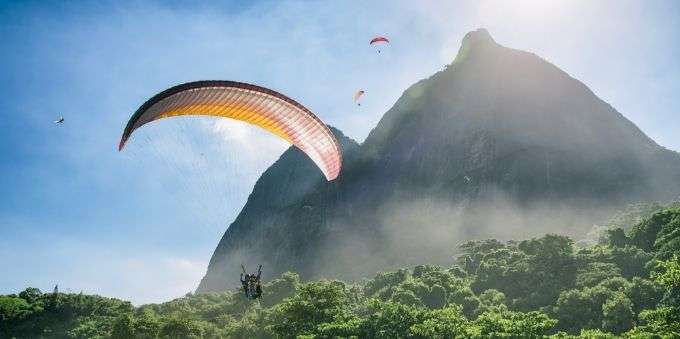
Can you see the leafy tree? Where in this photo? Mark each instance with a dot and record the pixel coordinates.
(617, 314)
(663, 321)
(631, 261)
(667, 243)
(341, 328)
(146, 325)
(251, 325)
(551, 268)
(384, 280)
(466, 298)
(30, 294)
(90, 327)
(616, 237)
(406, 297)
(491, 300)
(279, 289)
(644, 293)
(436, 298)
(390, 320)
(634, 214)
(594, 273)
(316, 303)
(644, 234)
(668, 275)
(123, 327)
(176, 328)
(447, 322)
(575, 309)
(514, 324)
(474, 251)
(13, 308)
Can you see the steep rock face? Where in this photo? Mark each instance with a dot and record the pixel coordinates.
(500, 144)
(292, 189)
(501, 107)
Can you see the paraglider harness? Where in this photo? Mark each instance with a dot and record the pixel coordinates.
(251, 283)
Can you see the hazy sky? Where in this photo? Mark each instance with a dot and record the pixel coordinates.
(142, 224)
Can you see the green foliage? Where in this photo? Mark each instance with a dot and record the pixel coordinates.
(665, 225)
(596, 272)
(315, 303)
(527, 289)
(668, 275)
(279, 289)
(514, 324)
(384, 280)
(390, 320)
(633, 215)
(644, 293)
(123, 327)
(662, 321)
(176, 328)
(146, 325)
(617, 237)
(448, 322)
(631, 261)
(14, 308)
(617, 314)
(577, 309)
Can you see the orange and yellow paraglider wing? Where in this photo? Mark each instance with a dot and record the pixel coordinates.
(255, 105)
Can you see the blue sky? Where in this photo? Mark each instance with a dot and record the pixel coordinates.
(142, 224)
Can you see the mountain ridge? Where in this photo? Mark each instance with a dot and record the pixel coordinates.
(501, 143)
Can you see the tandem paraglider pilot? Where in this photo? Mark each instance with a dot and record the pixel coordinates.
(251, 283)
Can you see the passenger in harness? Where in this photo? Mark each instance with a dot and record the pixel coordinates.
(251, 283)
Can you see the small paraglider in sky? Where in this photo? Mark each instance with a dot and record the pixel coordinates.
(59, 121)
(357, 96)
(379, 40)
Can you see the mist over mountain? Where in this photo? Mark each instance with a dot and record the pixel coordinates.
(499, 144)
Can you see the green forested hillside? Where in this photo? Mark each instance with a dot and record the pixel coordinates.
(628, 285)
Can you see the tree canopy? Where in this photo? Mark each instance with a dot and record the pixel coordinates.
(625, 286)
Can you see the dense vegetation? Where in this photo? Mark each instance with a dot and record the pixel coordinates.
(626, 285)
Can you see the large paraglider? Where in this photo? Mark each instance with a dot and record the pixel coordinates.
(253, 104)
(357, 97)
(378, 40)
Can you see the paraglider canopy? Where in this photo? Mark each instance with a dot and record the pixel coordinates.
(379, 39)
(357, 96)
(253, 104)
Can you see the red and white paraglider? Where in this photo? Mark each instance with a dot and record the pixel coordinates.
(379, 40)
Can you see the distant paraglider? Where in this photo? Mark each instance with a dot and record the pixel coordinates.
(268, 109)
(357, 97)
(379, 40)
